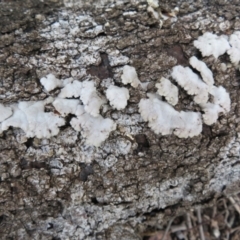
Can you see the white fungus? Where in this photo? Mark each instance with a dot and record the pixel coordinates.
(66, 106)
(211, 112)
(153, 3)
(190, 82)
(50, 82)
(192, 124)
(130, 76)
(90, 98)
(163, 118)
(168, 90)
(71, 90)
(221, 97)
(234, 51)
(118, 96)
(94, 129)
(31, 118)
(211, 44)
(5, 112)
(205, 72)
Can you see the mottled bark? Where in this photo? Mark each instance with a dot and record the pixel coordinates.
(59, 188)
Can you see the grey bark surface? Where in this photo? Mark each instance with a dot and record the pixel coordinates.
(60, 188)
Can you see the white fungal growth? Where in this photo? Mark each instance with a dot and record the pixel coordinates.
(211, 112)
(211, 44)
(130, 76)
(66, 106)
(168, 90)
(90, 98)
(71, 90)
(50, 82)
(118, 97)
(234, 51)
(221, 97)
(205, 72)
(153, 3)
(31, 118)
(5, 112)
(192, 124)
(163, 118)
(94, 129)
(190, 82)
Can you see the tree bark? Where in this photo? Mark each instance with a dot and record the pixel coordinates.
(60, 188)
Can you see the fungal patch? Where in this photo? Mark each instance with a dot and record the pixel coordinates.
(5, 112)
(168, 90)
(211, 44)
(31, 118)
(129, 76)
(234, 51)
(163, 118)
(90, 98)
(82, 99)
(205, 72)
(191, 82)
(50, 82)
(94, 129)
(117, 96)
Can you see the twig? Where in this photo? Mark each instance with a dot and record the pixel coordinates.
(236, 206)
(189, 225)
(167, 229)
(214, 209)
(199, 217)
(235, 229)
(177, 228)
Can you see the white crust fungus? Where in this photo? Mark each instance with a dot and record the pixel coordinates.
(90, 98)
(205, 72)
(50, 82)
(211, 44)
(31, 118)
(153, 3)
(234, 51)
(66, 106)
(5, 112)
(221, 97)
(190, 82)
(94, 129)
(192, 124)
(71, 90)
(168, 90)
(163, 118)
(130, 76)
(211, 112)
(118, 96)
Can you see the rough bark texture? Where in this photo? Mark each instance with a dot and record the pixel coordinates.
(62, 189)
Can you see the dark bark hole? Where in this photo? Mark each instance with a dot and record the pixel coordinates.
(86, 170)
(142, 141)
(50, 226)
(103, 70)
(29, 142)
(3, 218)
(94, 200)
(177, 52)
